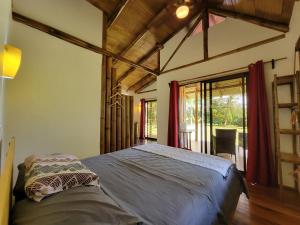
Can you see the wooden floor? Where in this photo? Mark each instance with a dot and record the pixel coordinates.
(268, 206)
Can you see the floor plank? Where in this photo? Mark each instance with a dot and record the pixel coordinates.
(268, 206)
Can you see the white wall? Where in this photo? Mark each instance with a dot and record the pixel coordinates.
(5, 9)
(223, 37)
(53, 104)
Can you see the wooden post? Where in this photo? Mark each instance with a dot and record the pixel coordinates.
(119, 127)
(113, 114)
(127, 121)
(123, 122)
(103, 89)
(205, 26)
(108, 106)
(131, 121)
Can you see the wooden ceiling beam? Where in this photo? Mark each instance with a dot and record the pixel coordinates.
(146, 85)
(117, 12)
(145, 58)
(188, 34)
(155, 50)
(251, 19)
(244, 48)
(205, 27)
(76, 41)
(141, 83)
(143, 32)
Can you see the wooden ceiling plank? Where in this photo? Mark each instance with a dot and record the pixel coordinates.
(74, 40)
(244, 48)
(117, 12)
(251, 19)
(188, 34)
(141, 61)
(105, 6)
(143, 32)
(287, 10)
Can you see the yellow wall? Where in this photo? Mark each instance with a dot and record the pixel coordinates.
(223, 37)
(53, 104)
(5, 9)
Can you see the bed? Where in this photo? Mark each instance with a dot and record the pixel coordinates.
(140, 186)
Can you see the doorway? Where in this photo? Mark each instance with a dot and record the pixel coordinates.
(214, 112)
(151, 119)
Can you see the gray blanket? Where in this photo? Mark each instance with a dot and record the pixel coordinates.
(160, 190)
(139, 186)
(77, 206)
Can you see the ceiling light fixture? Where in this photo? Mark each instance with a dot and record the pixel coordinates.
(182, 11)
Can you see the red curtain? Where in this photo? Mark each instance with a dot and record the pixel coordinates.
(142, 119)
(173, 128)
(260, 168)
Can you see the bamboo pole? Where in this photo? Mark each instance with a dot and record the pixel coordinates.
(108, 107)
(123, 122)
(103, 88)
(131, 121)
(127, 121)
(113, 113)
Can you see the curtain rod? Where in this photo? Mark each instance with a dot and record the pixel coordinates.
(223, 73)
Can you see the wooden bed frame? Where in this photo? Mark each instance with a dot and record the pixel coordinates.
(6, 184)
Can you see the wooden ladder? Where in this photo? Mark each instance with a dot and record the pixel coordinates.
(282, 156)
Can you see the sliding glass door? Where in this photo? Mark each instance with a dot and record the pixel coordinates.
(151, 119)
(214, 111)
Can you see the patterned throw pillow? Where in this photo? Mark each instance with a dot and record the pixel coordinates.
(46, 175)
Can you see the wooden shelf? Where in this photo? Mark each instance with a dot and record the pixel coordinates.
(283, 80)
(289, 157)
(289, 131)
(287, 105)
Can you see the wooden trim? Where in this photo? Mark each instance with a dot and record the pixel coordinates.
(188, 34)
(117, 12)
(103, 88)
(76, 41)
(141, 61)
(205, 27)
(247, 47)
(251, 19)
(6, 184)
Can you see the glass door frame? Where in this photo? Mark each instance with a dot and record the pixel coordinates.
(206, 85)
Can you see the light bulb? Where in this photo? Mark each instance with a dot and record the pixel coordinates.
(182, 11)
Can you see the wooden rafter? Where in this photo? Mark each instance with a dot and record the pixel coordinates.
(145, 80)
(251, 19)
(143, 32)
(76, 41)
(183, 24)
(247, 47)
(188, 34)
(141, 61)
(117, 12)
(153, 80)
